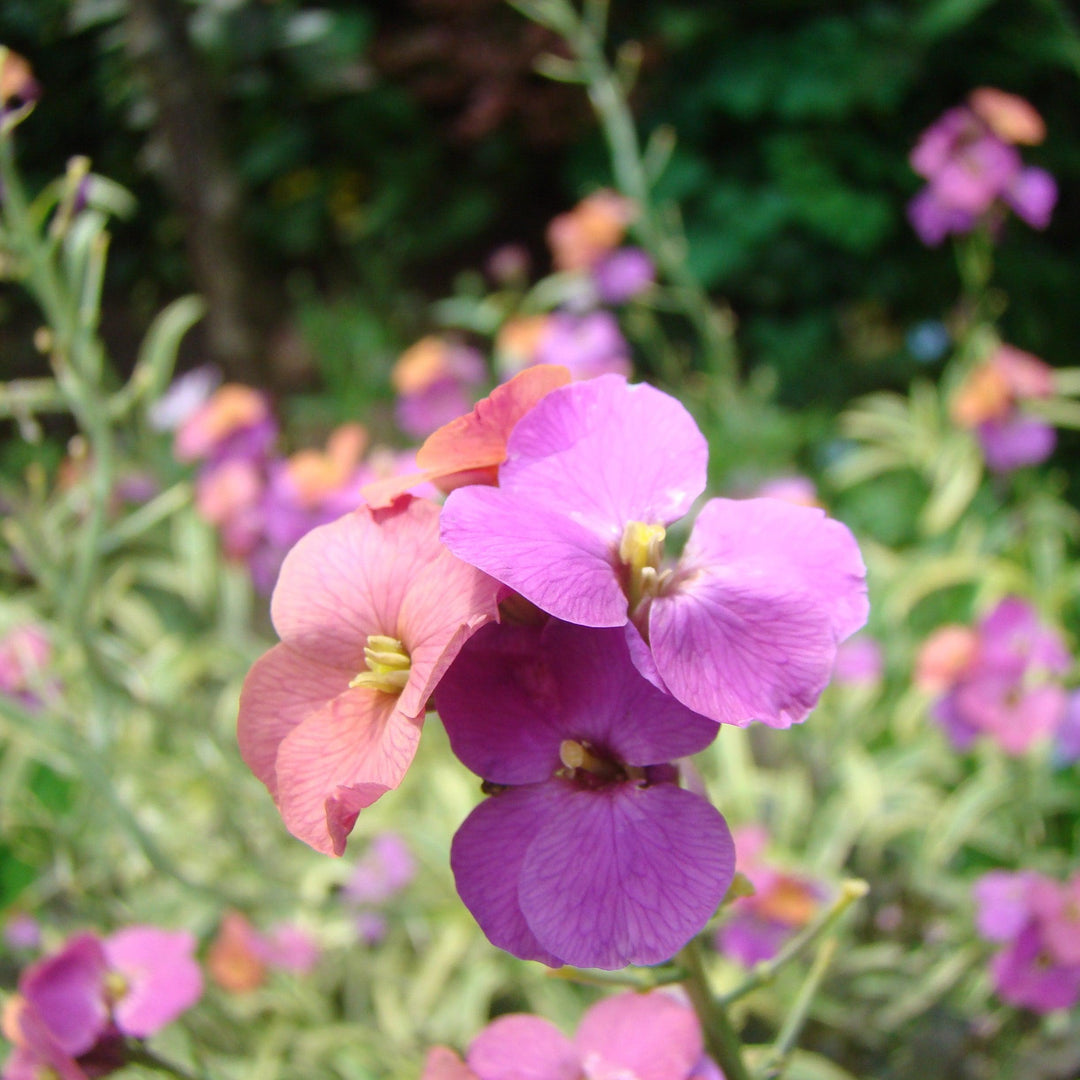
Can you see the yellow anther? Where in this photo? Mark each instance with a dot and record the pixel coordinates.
(576, 755)
(116, 986)
(641, 550)
(388, 665)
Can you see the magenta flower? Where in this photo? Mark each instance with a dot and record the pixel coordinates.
(25, 653)
(385, 868)
(858, 662)
(1038, 921)
(653, 1036)
(592, 855)
(744, 627)
(75, 1007)
(371, 610)
(1006, 688)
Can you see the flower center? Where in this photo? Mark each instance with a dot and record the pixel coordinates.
(584, 764)
(388, 665)
(116, 987)
(641, 550)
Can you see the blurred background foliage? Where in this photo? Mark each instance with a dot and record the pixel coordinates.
(381, 150)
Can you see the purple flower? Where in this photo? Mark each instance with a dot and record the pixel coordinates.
(1005, 688)
(589, 345)
(974, 172)
(858, 662)
(385, 868)
(623, 274)
(436, 381)
(22, 931)
(1015, 442)
(745, 627)
(1067, 737)
(1038, 920)
(653, 1036)
(25, 653)
(589, 853)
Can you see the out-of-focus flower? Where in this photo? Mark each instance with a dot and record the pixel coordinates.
(22, 931)
(74, 1008)
(974, 171)
(581, 237)
(757, 926)
(289, 947)
(436, 381)
(509, 265)
(19, 90)
(799, 490)
(235, 421)
(25, 654)
(946, 653)
(990, 401)
(386, 867)
(185, 396)
(858, 661)
(588, 345)
(234, 959)
(623, 274)
(517, 342)
(1067, 736)
(588, 837)
(744, 627)
(1002, 684)
(653, 1036)
(1038, 921)
(371, 610)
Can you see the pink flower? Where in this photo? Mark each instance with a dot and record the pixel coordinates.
(653, 1036)
(371, 610)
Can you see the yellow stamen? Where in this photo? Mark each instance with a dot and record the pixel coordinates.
(388, 665)
(116, 986)
(641, 550)
(576, 755)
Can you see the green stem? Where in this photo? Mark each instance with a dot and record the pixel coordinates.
(721, 1040)
(777, 1061)
(850, 891)
(667, 249)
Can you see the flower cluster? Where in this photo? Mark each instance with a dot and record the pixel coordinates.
(654, 1036)
(75, 1009)
(240, 956)
(999, 679)
(572, 665)
(260, 502)
(974, 172)
(757, 926)
(1037, 919)
(990, 400)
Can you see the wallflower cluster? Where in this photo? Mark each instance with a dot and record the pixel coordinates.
(990, 401)
(76, 1010)
(571, 662)
(974, 172)
(1037, 920)
(654, 1036)
(1000, 679)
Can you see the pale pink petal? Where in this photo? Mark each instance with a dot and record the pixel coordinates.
(446, 602)
(739, 648)
(521, 1047)
(486, 857)
(557, 563)
(340, 760)
(346, 580)
(650, 1036)
(624, 875)
(162, 975)
(282, 690)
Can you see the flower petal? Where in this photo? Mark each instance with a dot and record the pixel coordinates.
(282, 690)
(67, 993)
(649, 1036)
(738, 650)
(624, 875)
(340, 760)
(163, 978)
(486, 857)
(559, 564)
(522, 1047)
(346, 580)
